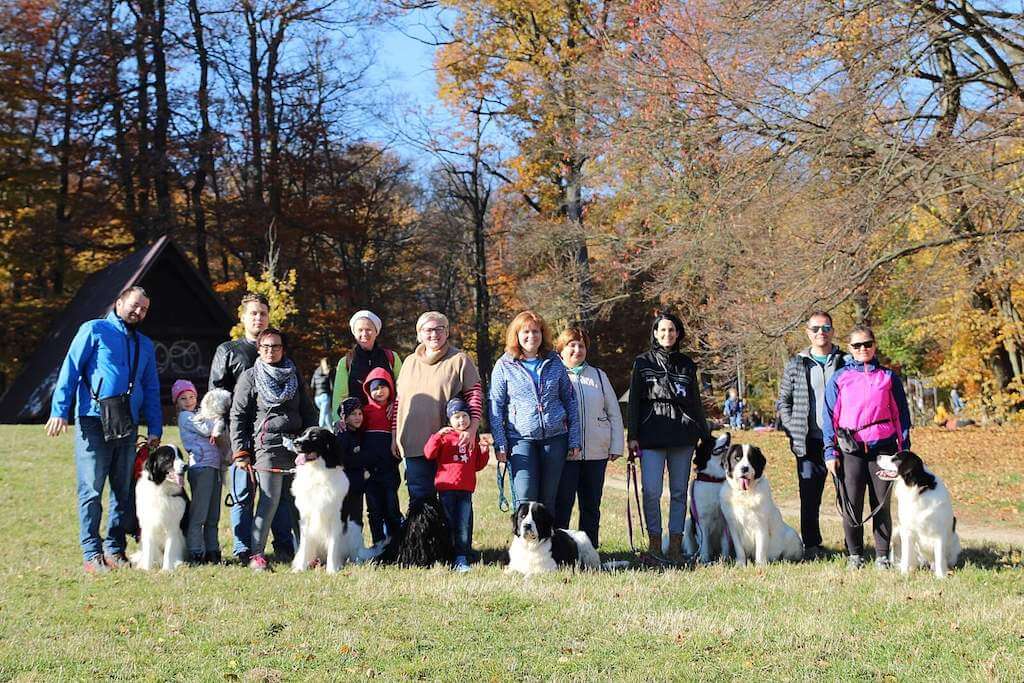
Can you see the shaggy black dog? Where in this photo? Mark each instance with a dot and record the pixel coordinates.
(424, 538)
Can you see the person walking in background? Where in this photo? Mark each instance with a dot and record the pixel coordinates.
(801, 408)
(110, 362)
(956, 403)
(366, 355)
(602, 435)
(667, 423)
(534, 417)
(733, 409)
(866, 414)
(231, 359)
(320, 383)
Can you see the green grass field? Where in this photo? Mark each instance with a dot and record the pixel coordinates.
(785, 622)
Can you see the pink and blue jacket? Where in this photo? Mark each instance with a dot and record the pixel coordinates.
(868, 400)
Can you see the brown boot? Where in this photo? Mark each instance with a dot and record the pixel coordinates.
(675, 549)
(653, 556)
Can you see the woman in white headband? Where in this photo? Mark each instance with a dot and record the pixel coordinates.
(366, 355)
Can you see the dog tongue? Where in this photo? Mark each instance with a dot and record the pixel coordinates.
(745, 484)
(300, 459)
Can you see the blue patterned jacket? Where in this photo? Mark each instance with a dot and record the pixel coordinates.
(519, 409)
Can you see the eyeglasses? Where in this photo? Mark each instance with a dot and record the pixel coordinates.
(434, 330)
(819, 328)
(270, 347)
(862, 345)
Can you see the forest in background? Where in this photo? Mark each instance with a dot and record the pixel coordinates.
(741, 162)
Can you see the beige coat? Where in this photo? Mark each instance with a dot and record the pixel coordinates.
(600, 417)
(423, 390)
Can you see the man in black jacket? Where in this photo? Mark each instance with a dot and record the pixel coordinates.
(231, 359)
(801, 410)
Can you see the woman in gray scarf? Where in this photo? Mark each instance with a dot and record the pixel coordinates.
(270, 405)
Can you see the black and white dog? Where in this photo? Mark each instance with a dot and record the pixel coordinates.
(754, 522)
(162, 508)
(423, 540)
(320, 487)
(705, 533)
(539, 547)
(927, 528)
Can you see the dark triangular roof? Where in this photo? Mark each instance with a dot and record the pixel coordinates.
(28, 397)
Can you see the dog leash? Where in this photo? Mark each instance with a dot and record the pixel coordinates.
(631, 476)
(697, 532)
(503, 504)
(232, 498)
(845, 507)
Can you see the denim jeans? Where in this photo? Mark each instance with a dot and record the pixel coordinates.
(581, 480)
(96, 461)
(275, 493)
(382, 509)
(204, 510)
(458, 508)
(652, 479)
(241, 490)
(536, 466)
(323, 403)
(736, 420)
(419, 478)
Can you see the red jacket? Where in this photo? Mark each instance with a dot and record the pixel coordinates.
(377, 418)
(456, 469)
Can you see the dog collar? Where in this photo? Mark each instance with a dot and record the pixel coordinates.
(708, 478)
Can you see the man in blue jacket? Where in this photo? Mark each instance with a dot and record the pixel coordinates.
(100, 363)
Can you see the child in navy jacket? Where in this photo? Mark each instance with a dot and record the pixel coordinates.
(455, 480)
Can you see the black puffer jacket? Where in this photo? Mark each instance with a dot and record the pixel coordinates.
(259, 428)
(231, 359)
(665, 408)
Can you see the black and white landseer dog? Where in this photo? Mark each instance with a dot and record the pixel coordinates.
(926, 533)
(162, 509)
(754, 522)
(539, 547)
(320, 487)
(705, 533)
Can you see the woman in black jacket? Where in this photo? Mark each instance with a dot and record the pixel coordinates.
(666, 424)
(270, 405)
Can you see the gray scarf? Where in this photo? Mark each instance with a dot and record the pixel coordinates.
(275, 384)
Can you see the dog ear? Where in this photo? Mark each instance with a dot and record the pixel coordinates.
(543, 520)
(152, 466)
(517, 515)
(734, 455)
(758, 460)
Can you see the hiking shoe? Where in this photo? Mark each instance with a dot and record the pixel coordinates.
(813, 553)
(882, 563)
(461, 565)
(196, 559)
(855, 562)
(116, 560)
(95, 565)
(258, 563)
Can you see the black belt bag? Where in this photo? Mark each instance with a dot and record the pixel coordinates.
(116, 411)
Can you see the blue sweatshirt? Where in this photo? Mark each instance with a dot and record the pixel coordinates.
(103, 351)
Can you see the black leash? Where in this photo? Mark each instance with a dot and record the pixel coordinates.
(845, 507)
(634, 493)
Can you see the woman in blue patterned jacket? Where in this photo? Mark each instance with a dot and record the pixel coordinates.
(534, 418)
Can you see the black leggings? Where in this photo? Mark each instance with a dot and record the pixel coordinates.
(859, 473)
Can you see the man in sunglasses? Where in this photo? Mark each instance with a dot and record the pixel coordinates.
(802, 412)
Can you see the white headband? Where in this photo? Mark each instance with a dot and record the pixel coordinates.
(369, 315)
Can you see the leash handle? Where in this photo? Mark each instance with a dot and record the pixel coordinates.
(502, 470)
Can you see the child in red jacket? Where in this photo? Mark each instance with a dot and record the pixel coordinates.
(455, 480)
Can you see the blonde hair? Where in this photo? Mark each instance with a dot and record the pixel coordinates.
(426, 318)
(512, 346)
(571, 334)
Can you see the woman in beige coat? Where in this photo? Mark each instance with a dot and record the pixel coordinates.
(603, 440)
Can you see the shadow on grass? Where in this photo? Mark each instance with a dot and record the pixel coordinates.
(992, 557)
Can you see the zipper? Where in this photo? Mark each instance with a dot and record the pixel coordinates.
(536, 390)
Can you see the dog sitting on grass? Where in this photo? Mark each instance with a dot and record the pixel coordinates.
(162, 508)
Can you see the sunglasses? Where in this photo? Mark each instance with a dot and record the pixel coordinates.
(820, 328)
(862, 345)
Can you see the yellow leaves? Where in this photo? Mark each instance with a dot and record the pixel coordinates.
(279, 292)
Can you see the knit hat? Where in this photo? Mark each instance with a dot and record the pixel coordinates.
(456, 405)
(179, 387)
(348, 405)
(374, 383)
(369, 315)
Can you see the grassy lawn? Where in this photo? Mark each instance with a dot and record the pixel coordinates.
(786, 622)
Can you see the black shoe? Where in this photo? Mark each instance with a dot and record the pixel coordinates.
(243, 558)
(813, 553)
(213, 557)
(196, 559)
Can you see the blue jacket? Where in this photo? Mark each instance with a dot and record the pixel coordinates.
(101, 349)
(522, 410)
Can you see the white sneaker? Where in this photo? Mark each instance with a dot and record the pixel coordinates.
(461, 564)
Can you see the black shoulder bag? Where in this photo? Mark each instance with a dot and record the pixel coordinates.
(116, 411)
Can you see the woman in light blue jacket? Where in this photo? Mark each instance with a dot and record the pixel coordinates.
(534, 416)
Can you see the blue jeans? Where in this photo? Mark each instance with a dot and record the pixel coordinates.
(652, 479)
(96, 461)
(736, 420)
(241, 517)
(458, 508)
(323, 403)
(382, 509)
(536, 466)
(582, 480)
(419, 478)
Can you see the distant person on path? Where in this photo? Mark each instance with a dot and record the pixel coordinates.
(602, 435)
(366, 355)
(205, 476)
(433, 374)
(667, 423)
(109, 361)
(534, 417)
(270, 405)
(231, 359)
(733, 409)
(955, 402)
(801, 408)
(866, 414)
(322, 389)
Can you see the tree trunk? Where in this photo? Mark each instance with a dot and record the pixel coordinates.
(144, 158)
(204, 163)
(161, 166)
(124, 164)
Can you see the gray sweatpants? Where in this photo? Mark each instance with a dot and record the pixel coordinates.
(275, 489)
(204, 510)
